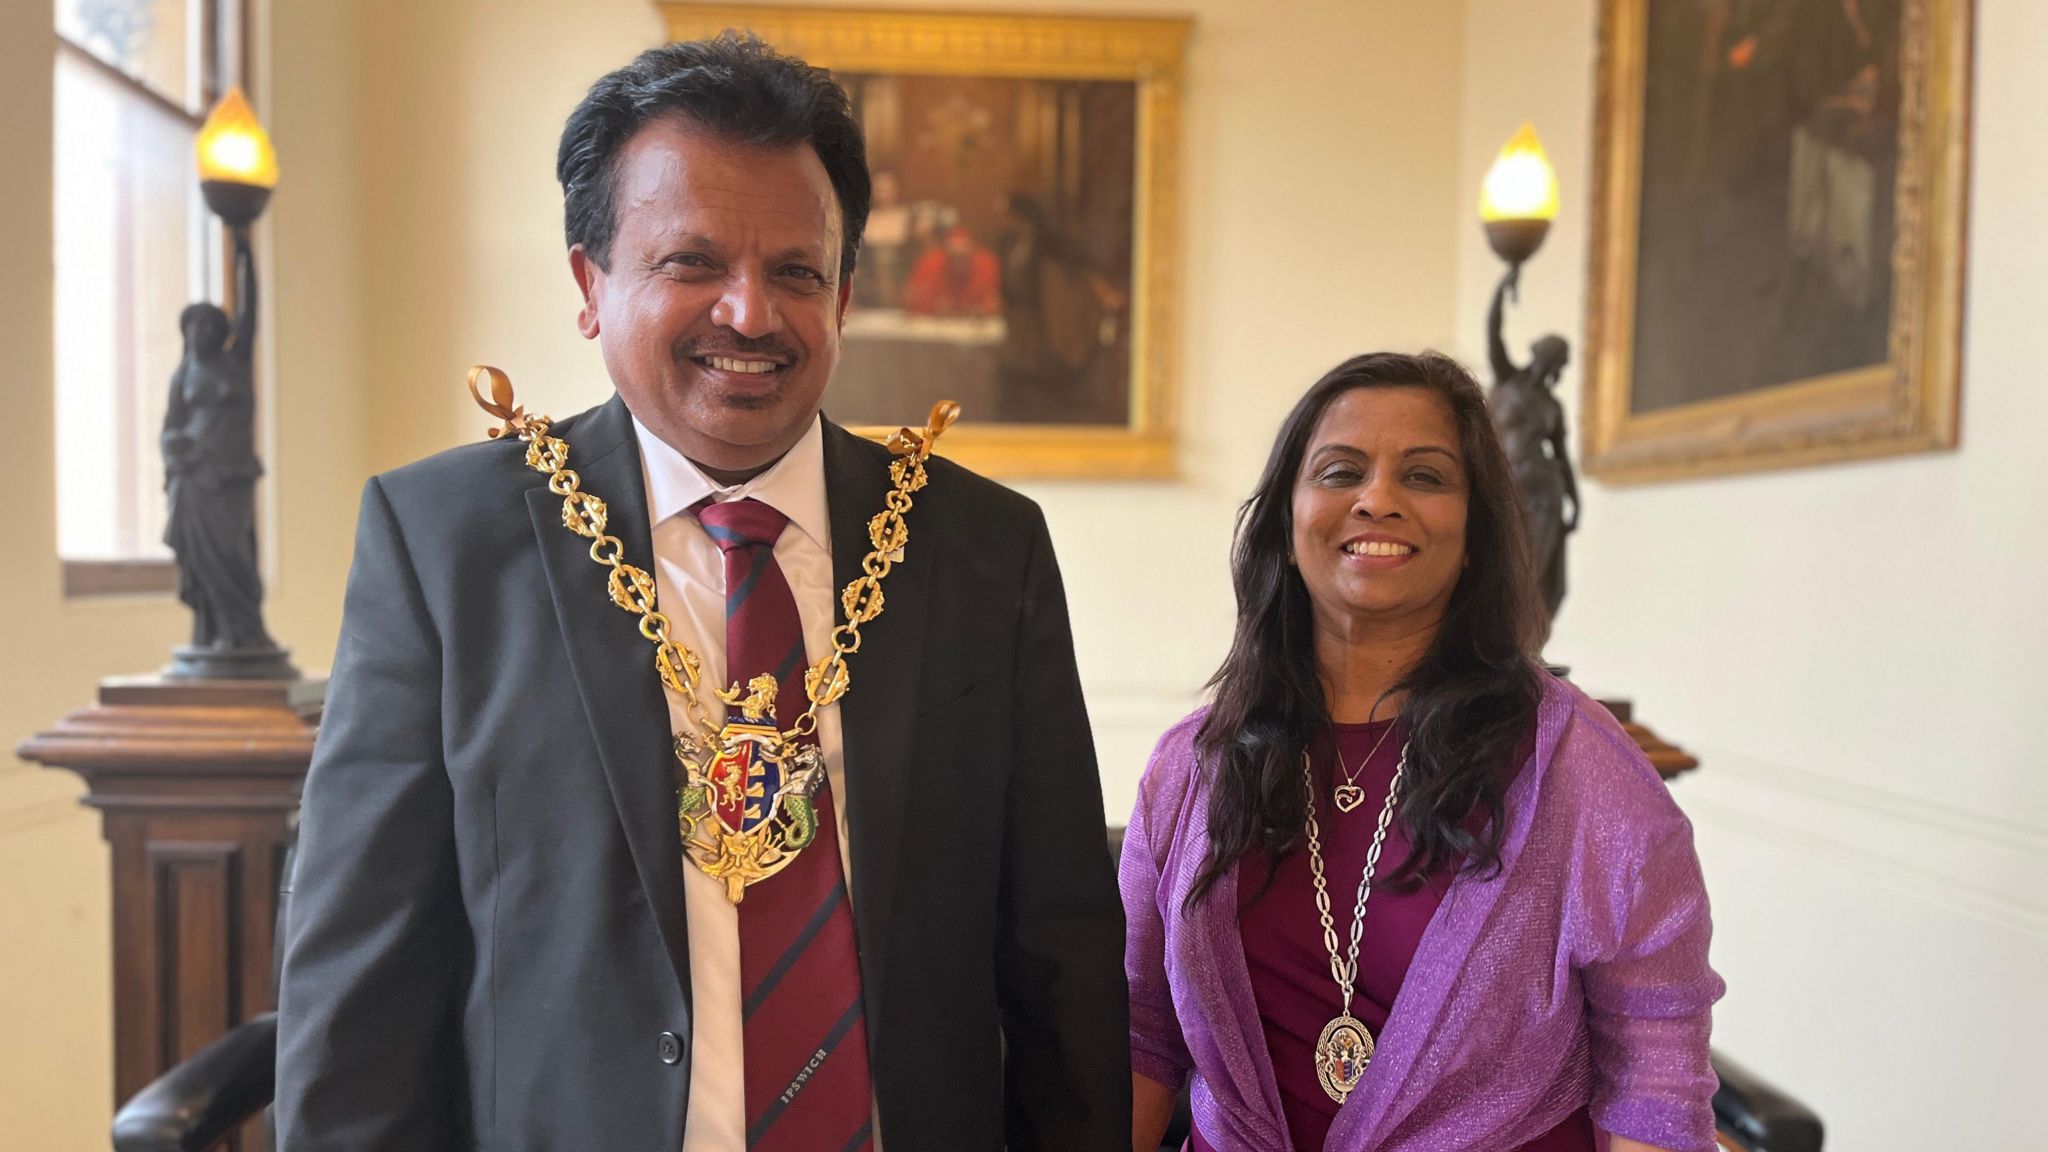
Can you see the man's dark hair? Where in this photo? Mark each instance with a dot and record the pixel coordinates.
(733, 86)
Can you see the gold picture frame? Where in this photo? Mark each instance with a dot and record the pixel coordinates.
(1903, 395)
(1146, 53)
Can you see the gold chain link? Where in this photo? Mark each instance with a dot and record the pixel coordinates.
(633, 589)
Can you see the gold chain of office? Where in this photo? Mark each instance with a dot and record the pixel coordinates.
(746, 803)
(632, 587)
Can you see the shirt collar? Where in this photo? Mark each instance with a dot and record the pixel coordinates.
(793, 485)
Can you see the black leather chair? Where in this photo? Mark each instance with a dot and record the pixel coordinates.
(1753, 1116)
(206, 1097)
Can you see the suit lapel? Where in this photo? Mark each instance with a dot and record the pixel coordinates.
(876, 712)
(613, 664)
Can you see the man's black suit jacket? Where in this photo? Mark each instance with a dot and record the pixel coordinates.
(485, 940)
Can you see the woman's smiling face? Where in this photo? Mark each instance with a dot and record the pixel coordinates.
(1380, 506)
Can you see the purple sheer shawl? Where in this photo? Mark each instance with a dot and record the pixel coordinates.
(1578, 975)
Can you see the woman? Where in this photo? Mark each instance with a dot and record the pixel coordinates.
(1397, 888)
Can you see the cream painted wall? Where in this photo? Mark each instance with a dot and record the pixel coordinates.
(1315, 178)
(1873, 812)
(1854, 651)
(56, 1052)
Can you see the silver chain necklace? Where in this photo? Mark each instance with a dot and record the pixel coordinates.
(1345, 1047)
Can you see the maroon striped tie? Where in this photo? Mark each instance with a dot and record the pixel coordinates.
(806, 1038)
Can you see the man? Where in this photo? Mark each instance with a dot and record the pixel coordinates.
(495, 939)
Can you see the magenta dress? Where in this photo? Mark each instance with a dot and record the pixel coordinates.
(1289, 962)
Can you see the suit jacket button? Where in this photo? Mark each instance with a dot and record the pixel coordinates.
(671, 1048)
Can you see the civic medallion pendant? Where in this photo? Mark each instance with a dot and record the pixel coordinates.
(1342, 1052)
(745, 807)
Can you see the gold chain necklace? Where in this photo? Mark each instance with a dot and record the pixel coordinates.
(1345, 1047)
(745, 806)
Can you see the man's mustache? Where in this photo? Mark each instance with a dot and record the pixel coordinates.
(738, 347)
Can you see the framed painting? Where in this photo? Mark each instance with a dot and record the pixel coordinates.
(1776, 274)
(1021, 255)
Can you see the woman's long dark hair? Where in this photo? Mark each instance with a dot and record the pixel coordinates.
(1471, 699)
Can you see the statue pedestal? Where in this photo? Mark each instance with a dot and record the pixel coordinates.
(197, 784)
(1668, 759)
(266, 663)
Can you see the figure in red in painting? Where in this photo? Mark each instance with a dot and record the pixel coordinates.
(957, 278)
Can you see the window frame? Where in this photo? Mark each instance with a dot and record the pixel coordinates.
(98, 578)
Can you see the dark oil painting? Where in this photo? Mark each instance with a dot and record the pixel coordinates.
(997, 265)
(1769, 164)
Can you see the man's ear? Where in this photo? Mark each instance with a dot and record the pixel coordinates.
(589, 281)
(845, 298)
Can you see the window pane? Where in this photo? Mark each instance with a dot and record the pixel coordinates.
(130, 254)
(156, 41)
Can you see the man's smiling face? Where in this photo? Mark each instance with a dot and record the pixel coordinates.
(720, 306)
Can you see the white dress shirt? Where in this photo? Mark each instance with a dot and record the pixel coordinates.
(689, 573)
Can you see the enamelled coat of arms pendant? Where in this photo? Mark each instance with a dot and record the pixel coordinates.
(1342, 1053)
(746, 806)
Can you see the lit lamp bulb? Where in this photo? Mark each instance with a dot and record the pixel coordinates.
(1518, 198)
(237, 166)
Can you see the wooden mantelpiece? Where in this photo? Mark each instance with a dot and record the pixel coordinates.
(197, 784)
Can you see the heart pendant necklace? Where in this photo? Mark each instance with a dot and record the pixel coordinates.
(1349, 795)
